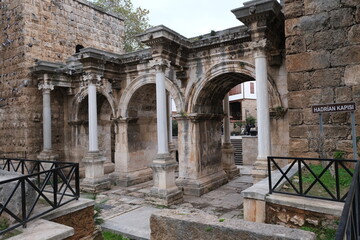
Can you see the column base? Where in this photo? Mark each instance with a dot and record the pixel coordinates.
(165, 197)
(95, 185)
(94, 180)
(165, 192)
(198, 187)
(47, 155)
(126, 179)
(228, 161)
(260, 171)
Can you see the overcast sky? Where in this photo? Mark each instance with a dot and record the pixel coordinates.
(191, 18)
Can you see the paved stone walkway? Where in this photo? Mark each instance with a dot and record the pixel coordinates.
(125, 211)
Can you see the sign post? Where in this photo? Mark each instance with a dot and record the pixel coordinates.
(338, 107)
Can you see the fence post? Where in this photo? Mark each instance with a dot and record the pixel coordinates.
(269, 174)
(23, 201)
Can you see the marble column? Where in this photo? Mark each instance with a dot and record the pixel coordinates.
(95, 180)
(47, 152)
(172, 148)
(227, 149)
(263, 118)
(164, 191)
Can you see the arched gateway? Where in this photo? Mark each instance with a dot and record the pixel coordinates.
(197, 74)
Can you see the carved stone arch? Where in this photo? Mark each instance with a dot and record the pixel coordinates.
(144, 80)
(230, 69)
(79, 97)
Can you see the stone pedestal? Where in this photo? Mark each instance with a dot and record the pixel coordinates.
(164, 192)
(260, 170)
(47, 155)
(202, 185)
(94, 180)
(228, 161)
(126, 179)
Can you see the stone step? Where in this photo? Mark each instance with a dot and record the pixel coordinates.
(237, 144)
(44, 230)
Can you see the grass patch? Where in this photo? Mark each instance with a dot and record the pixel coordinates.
(327, 179)
(321, 233)
(113, 236)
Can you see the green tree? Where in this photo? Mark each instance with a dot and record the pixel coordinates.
(136, 20)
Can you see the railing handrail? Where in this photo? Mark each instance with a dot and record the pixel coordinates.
(350, 203)
(302, 161)
(53, 181)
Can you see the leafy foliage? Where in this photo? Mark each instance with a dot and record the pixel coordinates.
(136, 20)
(113, 236)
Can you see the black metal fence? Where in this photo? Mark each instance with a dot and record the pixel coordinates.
(296, 185)
(34, 188)
(349, 226)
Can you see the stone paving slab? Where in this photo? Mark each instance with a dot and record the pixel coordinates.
(134, 224)
(48, 230)
(126, 212)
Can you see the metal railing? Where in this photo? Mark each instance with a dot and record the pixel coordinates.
(40, 186)
(299, 188)
(349, 226)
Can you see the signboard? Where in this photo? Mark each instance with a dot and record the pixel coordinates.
(336, 107)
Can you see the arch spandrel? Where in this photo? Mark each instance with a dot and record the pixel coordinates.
(243, 69)
(145, 79)
(80, 96)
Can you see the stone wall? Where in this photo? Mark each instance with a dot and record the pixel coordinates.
(295, 217)
(323, 62)
(43, 30)
(82, 221)
(172, 224)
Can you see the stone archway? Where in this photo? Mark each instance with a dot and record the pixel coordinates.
(79, 125)
(136, 142)
(230, 69)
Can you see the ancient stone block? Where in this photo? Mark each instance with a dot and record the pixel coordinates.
(298, 220)
(343, 94)
(309, 117)
(295, 117)
(329, 77)
(307, 61)
(350, 3)
(292, 27)
(356, 92)
(351, 76)
(312, 6)
(346, 55)
(297, 81)
(295, 44)
(296, 100)
(294, 9)
(329, 39)
(314, 23)
(337, 131)
(342, 17)
(299, 132)
(299, 145)
(344, 145)
(354, 34)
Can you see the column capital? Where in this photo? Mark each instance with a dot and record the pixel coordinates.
(259, 48)
(91, 78)
(160, 64)
(46, 86)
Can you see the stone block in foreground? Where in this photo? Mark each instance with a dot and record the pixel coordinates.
(174, 225)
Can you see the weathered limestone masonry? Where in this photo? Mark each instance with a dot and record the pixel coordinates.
(323, 63)
(50, 31)
(105, 105)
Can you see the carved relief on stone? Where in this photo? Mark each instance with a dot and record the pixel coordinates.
(160, 64)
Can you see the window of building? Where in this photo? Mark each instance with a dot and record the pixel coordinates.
(252, 88)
